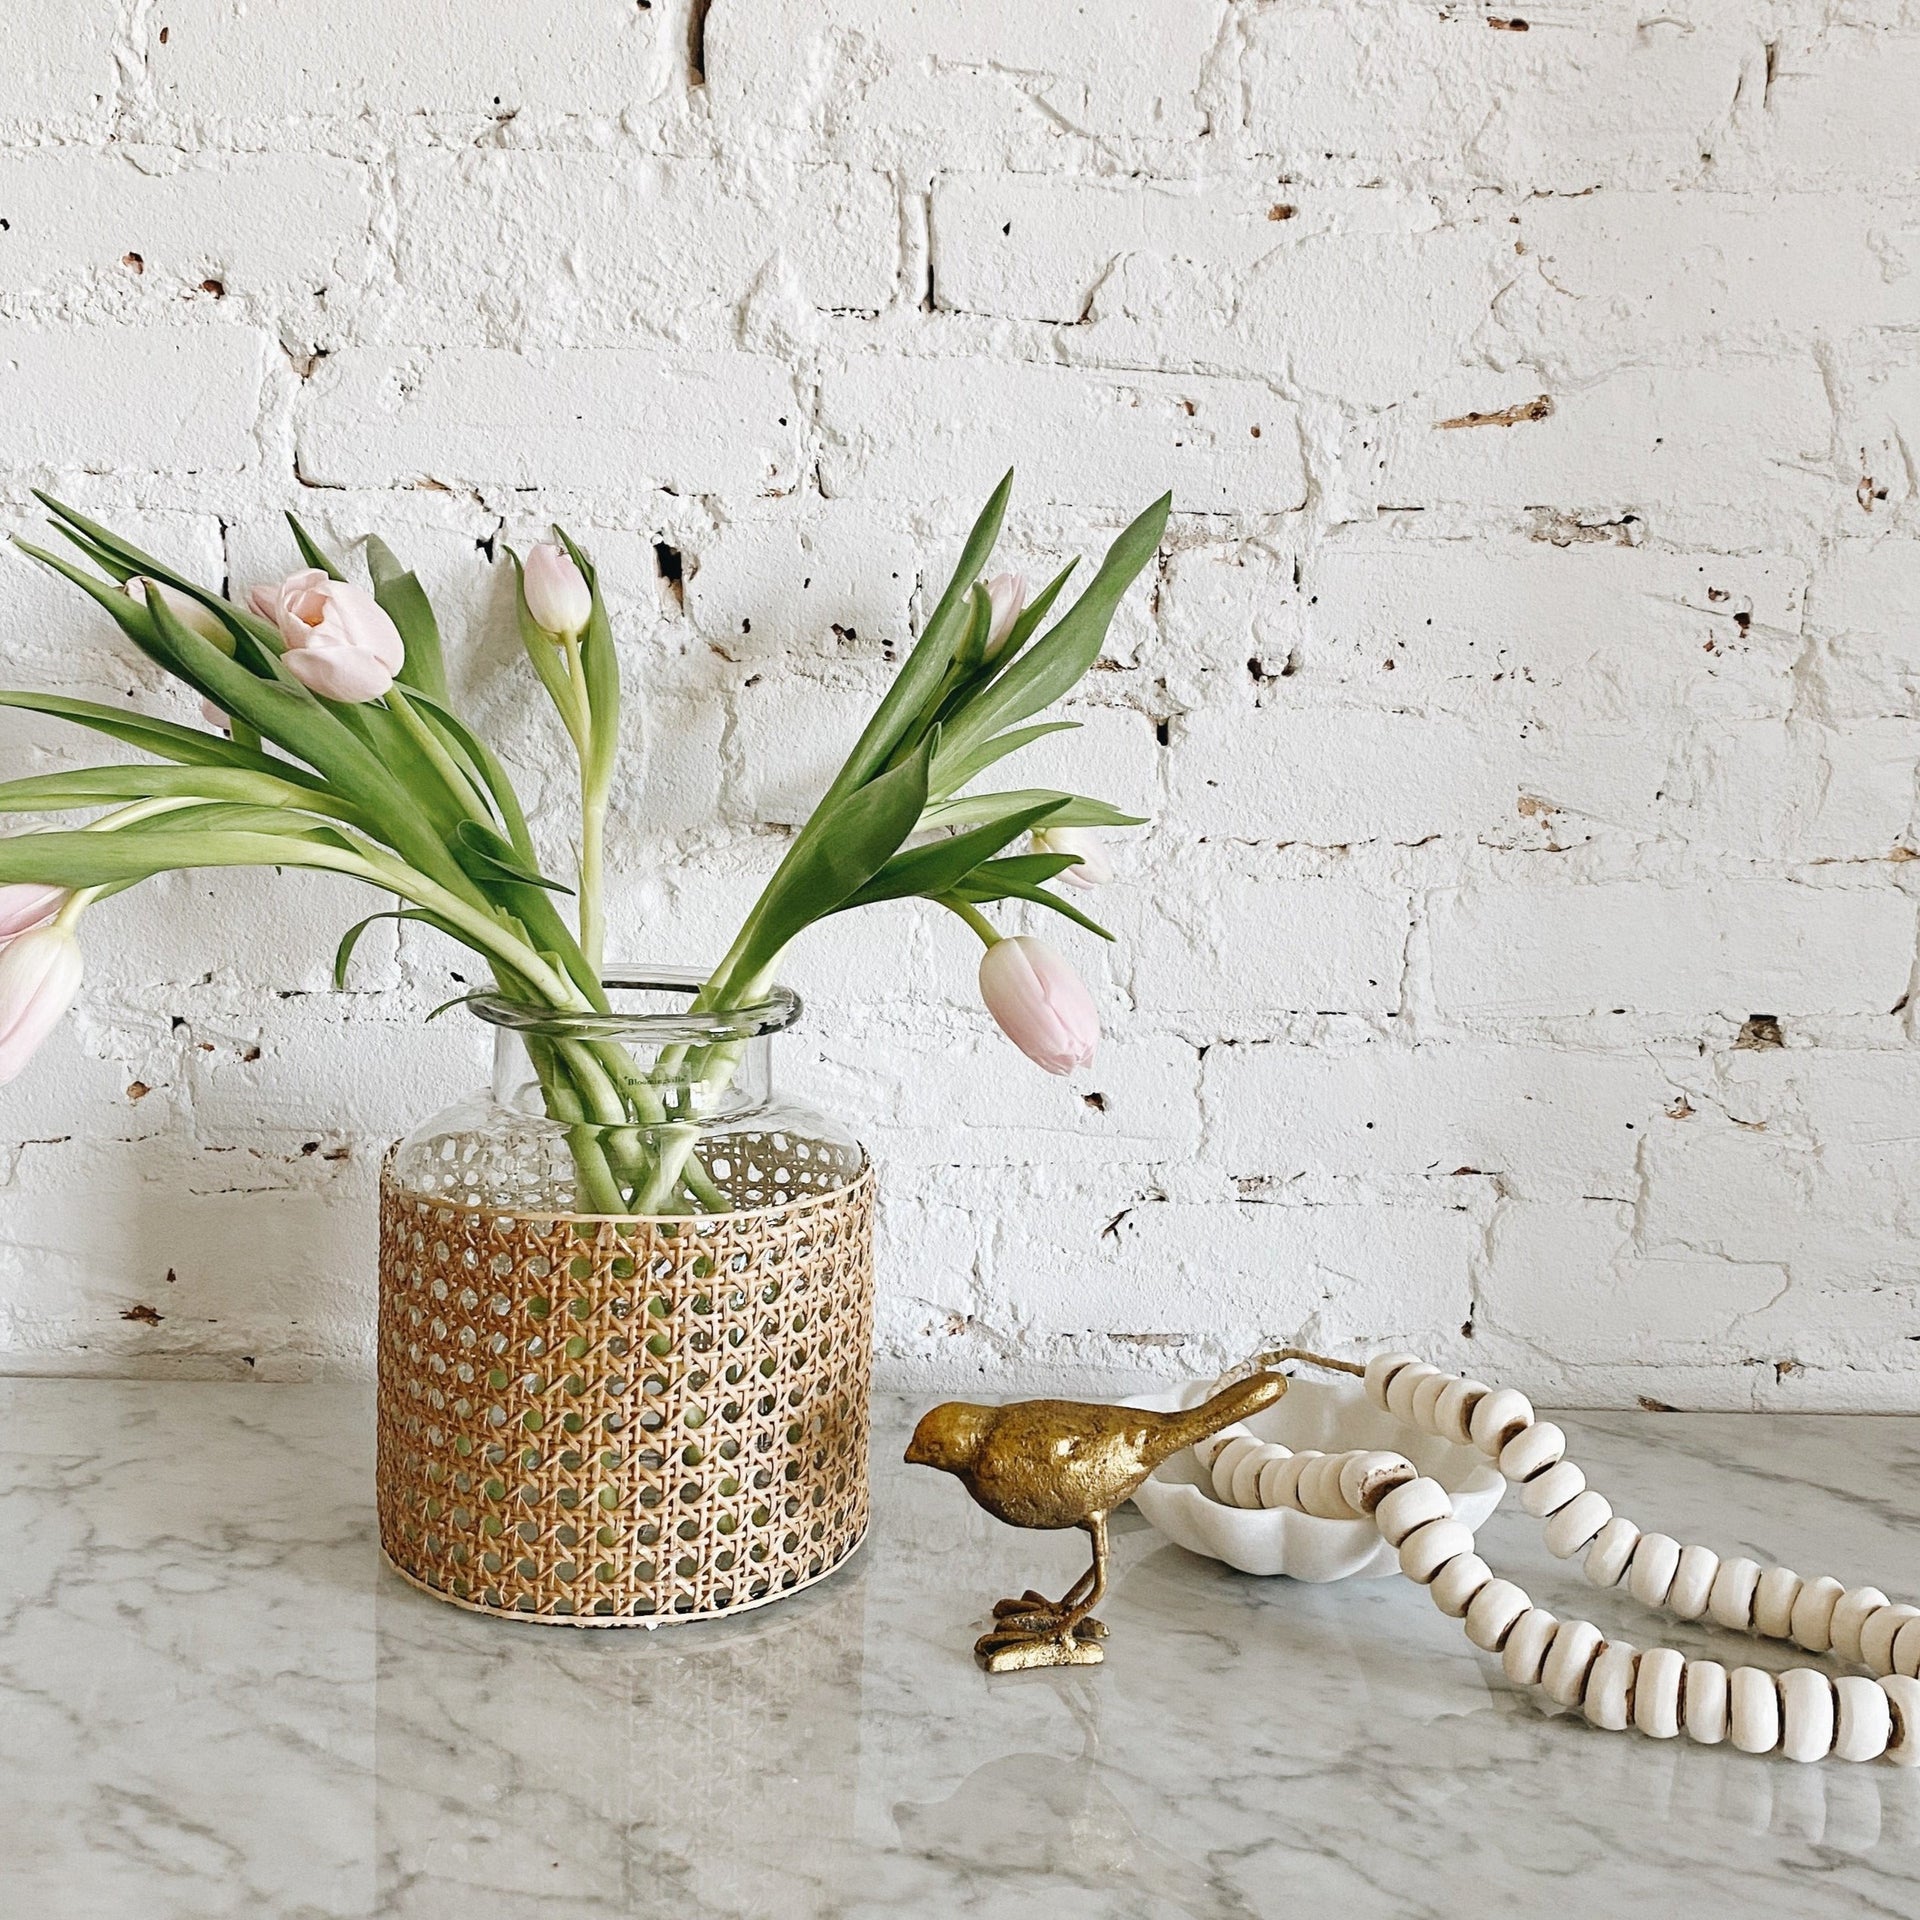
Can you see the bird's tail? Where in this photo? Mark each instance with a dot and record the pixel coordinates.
(1232, 1403)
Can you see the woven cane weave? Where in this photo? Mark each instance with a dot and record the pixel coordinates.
(616, 1421)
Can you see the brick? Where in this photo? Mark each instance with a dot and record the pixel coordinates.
(926, 1097)
(1677, 447)
(608, 417)
(1658, 273)
(829, 580)
(1611, 631)
(1337, 776)
(1566, 1279)
(151, 399)
(1242, 1273)
(1579, 100)
(1865, 602)
(1729, 947)
(256, 223)
(1075, 437)
(1540, 1120)
(1029, 79)
(1222, 948)
(599, 245)
(225, 60)
(60, 65)
(1854, 77)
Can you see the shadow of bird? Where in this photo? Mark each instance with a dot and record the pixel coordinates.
(1065, 1463)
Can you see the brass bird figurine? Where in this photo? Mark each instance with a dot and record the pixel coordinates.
(1065, 1463)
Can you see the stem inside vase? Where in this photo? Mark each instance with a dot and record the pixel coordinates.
(656, 1097)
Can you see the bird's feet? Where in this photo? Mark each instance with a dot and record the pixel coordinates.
(1034, 1631)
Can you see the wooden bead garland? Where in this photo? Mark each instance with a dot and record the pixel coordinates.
(1802, 1712)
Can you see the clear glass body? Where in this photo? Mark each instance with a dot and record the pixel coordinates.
(699, 1131)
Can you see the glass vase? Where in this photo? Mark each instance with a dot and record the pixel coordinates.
(624, 1364)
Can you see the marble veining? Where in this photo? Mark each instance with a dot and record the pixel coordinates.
(217, 1703)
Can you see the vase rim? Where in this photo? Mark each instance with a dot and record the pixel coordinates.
(773, 1012)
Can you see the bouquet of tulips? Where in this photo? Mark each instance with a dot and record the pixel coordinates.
(331, 742)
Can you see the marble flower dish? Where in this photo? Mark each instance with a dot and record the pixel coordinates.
(1327, 1417)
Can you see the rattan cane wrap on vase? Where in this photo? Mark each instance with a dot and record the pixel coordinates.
(605, 1422)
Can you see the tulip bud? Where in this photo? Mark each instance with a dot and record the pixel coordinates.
(1006, 598)
(25, 905)
(1040, 1003)
(214, 718)
(184, 608)
(340, 642)
(557, 593)
(39, 977)
(1091, 866)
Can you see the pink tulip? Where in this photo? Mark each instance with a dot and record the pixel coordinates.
(340, 642)
(1006, 599)
(25, 905)
(184, 608)
(39, 976)
(1040, 1003)
(557, 593)
(214, 718)
(1091, 866)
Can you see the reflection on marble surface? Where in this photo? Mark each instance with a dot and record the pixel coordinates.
(218, 1704)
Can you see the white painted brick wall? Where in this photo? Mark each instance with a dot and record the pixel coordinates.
(1500, 774)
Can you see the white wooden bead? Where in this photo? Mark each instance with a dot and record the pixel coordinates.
(1275, 1477)
(1881, 1630)
(1499, 1418)
(1903, 1696)
(1227, 1459)
(1494, 1612)
(1773, 1602)
(1703, 1702)
(1280, 1484)
(1550, 1491)
(1865, 1718)
(1608, 1700)
(1753, 1709)
(1656, 1692)
(1426, 1400)
(1655, 1561)
(1243, 1486)
(1906, 1650)
(1813, 1613)
(1411, 1506)
(1692, 1583)
(1368, 1477)
(1850, 1613)
(1574, 1526)
(1575, 1648)
(1320, 1493)
(1400, 1390)
(1456, 1586)
(1807, 1714)
(1427, 1549)
(1208, 1450)
(1612, 1548)
(1381, 1369)
(1529, 1640)
(1532, 1451)
(1730, 1604)
(1454, 1413)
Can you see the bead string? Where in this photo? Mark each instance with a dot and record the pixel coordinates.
(1802, 1712)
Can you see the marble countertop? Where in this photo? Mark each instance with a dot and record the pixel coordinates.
(217, 1703)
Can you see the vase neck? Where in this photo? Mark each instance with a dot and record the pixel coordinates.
(691, 1081)
(651, 1040)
